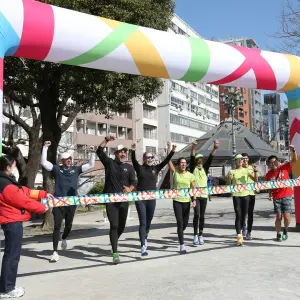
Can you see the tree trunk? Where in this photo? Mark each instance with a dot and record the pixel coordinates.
(51, 132)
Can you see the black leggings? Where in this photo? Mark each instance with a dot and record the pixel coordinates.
(240, 205)
(145, 210)
(199, 212)
(182, 214)
(250, 212)
(117, 216)
(60, 213)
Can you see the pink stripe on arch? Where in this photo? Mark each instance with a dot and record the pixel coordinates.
(38, 30)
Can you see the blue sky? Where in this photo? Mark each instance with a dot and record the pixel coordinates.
(256, 19)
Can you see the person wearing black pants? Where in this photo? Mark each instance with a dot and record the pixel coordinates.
(119, 178)
(182, 179)
(200, 171)
(248, 230)
(147, 175)
(240, 205)
(241, 175)
(16, 203)
(66, 181)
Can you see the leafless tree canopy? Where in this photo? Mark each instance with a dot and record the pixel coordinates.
(289, 31)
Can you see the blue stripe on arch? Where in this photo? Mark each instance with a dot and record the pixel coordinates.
(9, 40)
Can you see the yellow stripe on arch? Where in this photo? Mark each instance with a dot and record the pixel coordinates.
(143, 52)
(146, 56)
(111, 23)
(294, 79)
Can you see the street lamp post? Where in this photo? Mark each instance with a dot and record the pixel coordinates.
(231, 100)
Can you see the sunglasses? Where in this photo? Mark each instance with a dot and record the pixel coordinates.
(148, 157)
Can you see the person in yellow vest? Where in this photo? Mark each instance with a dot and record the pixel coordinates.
(247, 230)
(241, 175)
(182, 179)
(200, 171)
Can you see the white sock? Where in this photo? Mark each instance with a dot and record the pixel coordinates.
(182, 247)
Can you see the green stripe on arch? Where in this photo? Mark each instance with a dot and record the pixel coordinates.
(199, 62)
(106, 46)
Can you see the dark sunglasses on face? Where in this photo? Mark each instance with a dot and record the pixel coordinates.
(148, 157)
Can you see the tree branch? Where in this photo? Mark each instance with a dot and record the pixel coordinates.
(69, 121)
(18, 121)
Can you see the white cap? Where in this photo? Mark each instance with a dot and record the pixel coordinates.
(121, 147)
(65, 155)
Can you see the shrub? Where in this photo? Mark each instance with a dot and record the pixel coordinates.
(96, 189)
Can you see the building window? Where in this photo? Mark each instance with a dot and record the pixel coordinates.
(150, 132)
(80, 126)
(102, 129)
(91, 128)
(193, 95)
(149, 112)
(178, 120)
(113, 130)
(129, 134)
(150, 149)
(180, 138)
(122, 133)
(82, 152)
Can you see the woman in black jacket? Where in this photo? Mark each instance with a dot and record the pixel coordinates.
(147, 175)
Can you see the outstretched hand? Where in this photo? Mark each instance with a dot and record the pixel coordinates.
(133, 146)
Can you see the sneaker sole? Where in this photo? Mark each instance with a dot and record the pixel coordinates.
(144, 254)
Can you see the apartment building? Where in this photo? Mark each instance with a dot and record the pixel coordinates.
(254, 108)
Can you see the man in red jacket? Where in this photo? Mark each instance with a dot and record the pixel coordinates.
(282, 198)
(16, 203)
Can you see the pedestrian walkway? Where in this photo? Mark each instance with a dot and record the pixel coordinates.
(261, 269)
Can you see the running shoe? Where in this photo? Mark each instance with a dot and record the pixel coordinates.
(143, 251)
(182, 249)
(279, 237)
(17, 292)
(54, 257)
(64, 244)
(201, 240)
(239, 241)
(244, 231)
(248, 236)
(116, 258)
(284, 235)
(196, 240)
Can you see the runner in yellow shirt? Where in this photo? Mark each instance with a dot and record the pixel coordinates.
(247, 233)
(240, 199)
(181, 205)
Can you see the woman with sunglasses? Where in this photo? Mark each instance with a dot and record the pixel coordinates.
(147, 175)
(182, 179)
(241, 175)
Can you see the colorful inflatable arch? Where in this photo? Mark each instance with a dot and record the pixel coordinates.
(39, 31)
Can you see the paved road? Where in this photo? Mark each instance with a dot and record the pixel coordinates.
(261, 269)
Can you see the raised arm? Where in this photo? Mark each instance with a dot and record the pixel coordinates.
(171, 166)
(91, 163)
(254, 175)
(135, 163)
(229, 178)
(209, 160)
(161, 165)
(100, 151)
(294, 156)
(44, 162)
(192, 158)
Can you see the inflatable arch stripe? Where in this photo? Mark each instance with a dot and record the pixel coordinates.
(34, 30)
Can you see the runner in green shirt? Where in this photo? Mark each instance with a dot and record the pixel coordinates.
(181, 205)
(240, 199)
(247, 234)
(200, 171)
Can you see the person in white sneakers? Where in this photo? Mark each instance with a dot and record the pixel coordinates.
(66, 181)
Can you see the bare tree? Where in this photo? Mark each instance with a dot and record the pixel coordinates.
(289, 31)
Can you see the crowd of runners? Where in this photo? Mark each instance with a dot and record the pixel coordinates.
(16, 201)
